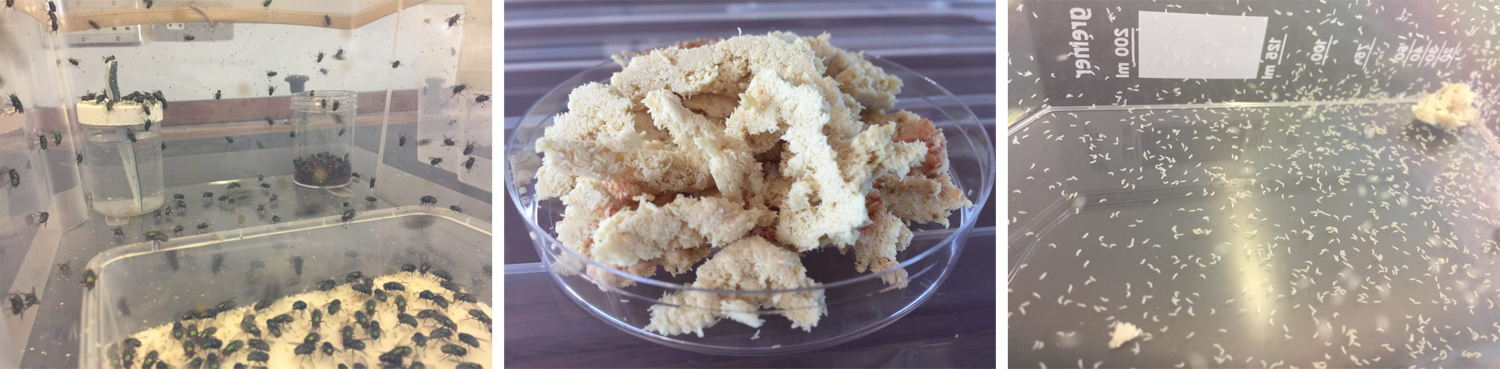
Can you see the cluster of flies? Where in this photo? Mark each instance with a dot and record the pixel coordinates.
(468, 150)
(203, 348)
(156, 97)
(19, 302)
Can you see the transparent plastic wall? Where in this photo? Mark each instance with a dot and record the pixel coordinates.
(227, 70)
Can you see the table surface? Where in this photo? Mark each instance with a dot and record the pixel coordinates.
(950, 42)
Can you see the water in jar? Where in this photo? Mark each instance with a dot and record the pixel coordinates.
(125, 176)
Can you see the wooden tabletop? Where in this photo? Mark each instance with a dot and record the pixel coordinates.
(955, 328)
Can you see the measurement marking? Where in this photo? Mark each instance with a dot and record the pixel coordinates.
(1328, 52)
(1282, 53)
(1439, 54)
(1364, 65)
(1456, 49)
(1419, 55)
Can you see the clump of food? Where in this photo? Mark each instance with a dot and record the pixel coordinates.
(1124, 332)
(1449, 108)
(760, 146)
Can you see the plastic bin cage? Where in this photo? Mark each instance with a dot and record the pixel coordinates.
(225, 74)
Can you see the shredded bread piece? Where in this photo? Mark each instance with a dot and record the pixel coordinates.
(879, 242)
(925, 195)
(749, 264)
(825, 202)
(869, 85)
(733, 168)
(648, 232)
(1449, 108)
(627, 157)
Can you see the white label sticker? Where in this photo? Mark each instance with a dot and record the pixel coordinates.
(1177, 46)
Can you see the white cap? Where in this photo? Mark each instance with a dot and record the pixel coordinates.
(125, 113)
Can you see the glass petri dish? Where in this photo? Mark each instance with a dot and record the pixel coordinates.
(858, 303)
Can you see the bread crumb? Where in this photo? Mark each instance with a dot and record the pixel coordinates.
(1124, 332)
(1450, 108)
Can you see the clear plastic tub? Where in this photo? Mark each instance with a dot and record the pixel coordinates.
(375, 243)
(858, 303)
(1245, 182)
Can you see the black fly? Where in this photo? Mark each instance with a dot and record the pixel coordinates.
(218, 260)
(459, 88)
(468, 339)
(270, 73)
(327, 21)
(455, 350)
(188, 37)
(89, 278)
(75, 62)
(395, 64)
(94, 24)
(402, 140)
(452, 21)
(339, 55)
(218, 94)
(482, 98)
(270, 90)
(320, 56)
(16, 102)
(296, 264)
(435, 160)
(448, 141)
